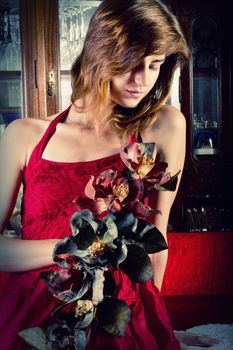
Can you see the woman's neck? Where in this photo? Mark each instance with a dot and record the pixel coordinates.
(85, 116)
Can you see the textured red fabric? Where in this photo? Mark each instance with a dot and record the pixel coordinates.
(49, 190)
(199, 263)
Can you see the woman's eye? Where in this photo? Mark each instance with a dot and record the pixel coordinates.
(154, 67)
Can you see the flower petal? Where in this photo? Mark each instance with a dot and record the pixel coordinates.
(141, 209)
(104, 182)
(171, 184)
(82, 219)
(97, 206)
(108, 229)
(67, 285)
(138, 157)
(59, 337)
(89, 189)
(157, 171)
(66, 252)
(117, 255)
(85, 320)
(125, 222)
(73, 247)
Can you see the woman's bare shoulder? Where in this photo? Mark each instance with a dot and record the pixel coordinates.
(29, 128)
(169, 123)
(170, 117)
(24, 130)
(22, 135)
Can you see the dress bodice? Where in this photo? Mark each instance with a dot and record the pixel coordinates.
(50, 188)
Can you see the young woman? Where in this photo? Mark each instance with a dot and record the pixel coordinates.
(120, 81)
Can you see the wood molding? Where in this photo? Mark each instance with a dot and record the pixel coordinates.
(40, 55)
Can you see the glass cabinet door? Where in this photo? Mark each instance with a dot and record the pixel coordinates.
(74, 18)
(10, 63)
(205, 88)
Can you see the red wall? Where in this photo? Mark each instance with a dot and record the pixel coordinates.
(199, 264)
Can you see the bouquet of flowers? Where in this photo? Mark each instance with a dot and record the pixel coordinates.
(112, 234)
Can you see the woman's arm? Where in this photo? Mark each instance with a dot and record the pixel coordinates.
(170, 137)
(23, 255)
(16, 254)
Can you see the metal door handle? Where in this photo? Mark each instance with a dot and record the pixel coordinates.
(51, 83)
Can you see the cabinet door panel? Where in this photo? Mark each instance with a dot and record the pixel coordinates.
(10, 64)
(40, 46)
(74, 18)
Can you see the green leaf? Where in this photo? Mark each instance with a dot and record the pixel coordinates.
(65, 251)
(151, 238)
(35, 337)
(108, 230)
(153, 241)
(137, 265)
(117, 255)
(114, 315)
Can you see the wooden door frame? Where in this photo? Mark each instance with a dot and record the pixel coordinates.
(39, 24)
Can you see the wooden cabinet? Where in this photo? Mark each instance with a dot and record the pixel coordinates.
(51, 36)
(205, 197)
(29, 45)
(40, 57)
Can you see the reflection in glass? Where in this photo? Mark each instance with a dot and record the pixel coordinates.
(74, 18)
(205, 94)
(10, 63)
(207, 213)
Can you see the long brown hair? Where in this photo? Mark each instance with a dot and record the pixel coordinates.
(120, 34)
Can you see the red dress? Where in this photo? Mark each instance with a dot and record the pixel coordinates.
(49, 190)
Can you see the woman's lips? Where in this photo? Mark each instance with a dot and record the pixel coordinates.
(134, 93)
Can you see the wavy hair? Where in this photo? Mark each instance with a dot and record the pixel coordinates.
(120, 34)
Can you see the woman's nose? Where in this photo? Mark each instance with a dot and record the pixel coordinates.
(141, 75)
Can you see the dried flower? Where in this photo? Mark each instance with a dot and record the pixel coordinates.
(121, 191)
(145, 164)
(97, 248)
(83, 307)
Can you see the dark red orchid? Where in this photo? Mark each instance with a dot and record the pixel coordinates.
(105, 192)
(113, 190)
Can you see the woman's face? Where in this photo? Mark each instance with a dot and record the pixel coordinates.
(128, 89)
